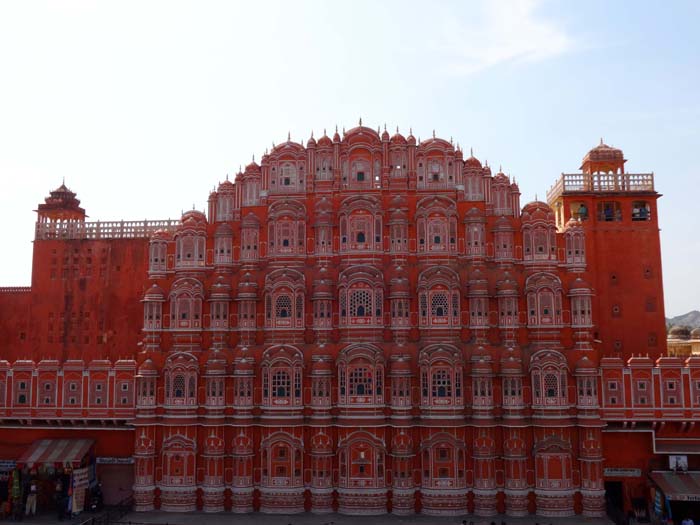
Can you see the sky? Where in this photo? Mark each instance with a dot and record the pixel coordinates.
(144, 106)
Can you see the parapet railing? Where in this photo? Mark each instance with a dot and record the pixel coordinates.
(101, 230)
(15, 289)
(600, 182)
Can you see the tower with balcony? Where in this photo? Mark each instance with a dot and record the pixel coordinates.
(617, 211)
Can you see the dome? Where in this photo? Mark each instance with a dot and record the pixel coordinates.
(472, 162)
(216, 364)
(507, 285)
(400, 365)
(481, 364)
(695, 333)
(311, 142)
(325, 141)
(252, 167)
(537, 210)
(511, 365)
(604, 153)
(160, 235)
(154, 293)
(226, 187)
(385, 135)
(321, 365)
(193, 219)
(148, 368)
(402, 443)
(580, 284)
(398, 138)
(501, 177)
(679, 332)
(585, 365)
(244, 366)
(411, 140)
(322, 443)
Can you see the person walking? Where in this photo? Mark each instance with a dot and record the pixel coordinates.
(30, 506)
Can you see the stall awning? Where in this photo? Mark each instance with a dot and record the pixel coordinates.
(678, 486)
(66, 452)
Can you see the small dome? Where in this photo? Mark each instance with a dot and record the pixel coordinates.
(501, 178)
(154, 293)
(585, 364)
(603, 153)
(193, 219)
(411, 140)
(472, 162)
(244, 366)
(216, 364)
(226, 187)
(402, 443)
(385, 134)
(695, 333)
(252, 167)
(325, 141)
(311, 142)
(537, 211)
(148, 368)
(511, 365)
(398, 138)
(321, 366)
(400, 366)
(679, 332)
(580, 284)
(160, 235)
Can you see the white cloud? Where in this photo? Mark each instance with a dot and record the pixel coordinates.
(498, 33)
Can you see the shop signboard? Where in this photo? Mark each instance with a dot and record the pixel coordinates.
(105, 460)
(621, 472)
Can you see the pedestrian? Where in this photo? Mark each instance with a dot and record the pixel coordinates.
(30, 507)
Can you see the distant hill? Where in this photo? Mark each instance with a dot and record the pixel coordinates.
(691, 319)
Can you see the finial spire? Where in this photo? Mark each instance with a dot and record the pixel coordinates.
(500, 168)
(253, 157)
(471, 152)
(289, 136)
(63, 181)
(385, 126)
(601, 141)
(433, 133)
(360, 121)
(312, 133)
(227, 176)
(397, 130)
(536, 196)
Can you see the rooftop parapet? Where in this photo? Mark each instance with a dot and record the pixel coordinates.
(600, 183)
(102, 230)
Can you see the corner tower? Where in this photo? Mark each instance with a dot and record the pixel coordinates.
(618, 211)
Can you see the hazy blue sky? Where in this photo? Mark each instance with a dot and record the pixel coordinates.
(144, 106)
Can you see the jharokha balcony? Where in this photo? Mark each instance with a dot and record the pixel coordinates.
(600, 183)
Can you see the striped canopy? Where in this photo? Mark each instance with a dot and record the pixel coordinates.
(65, 452)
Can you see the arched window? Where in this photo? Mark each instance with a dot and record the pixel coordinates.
(443, 463)
(158, 252)
(284, 299)
(190, 247)
(361, 297)
(186, 304)
(544, 301)
(180, 373)
(575, 244)
(441, 369)
(360, 225)
(282, 377)
(588, 391)
(361, 376)
(476, 239)
(439, 298)
(361, 459)
(282, 462)
(178, 462)
(286, 228)
(436, 219)
(223, 245)
(250, 237)
(549, 379)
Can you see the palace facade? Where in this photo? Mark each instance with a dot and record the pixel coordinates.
(365, 324)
